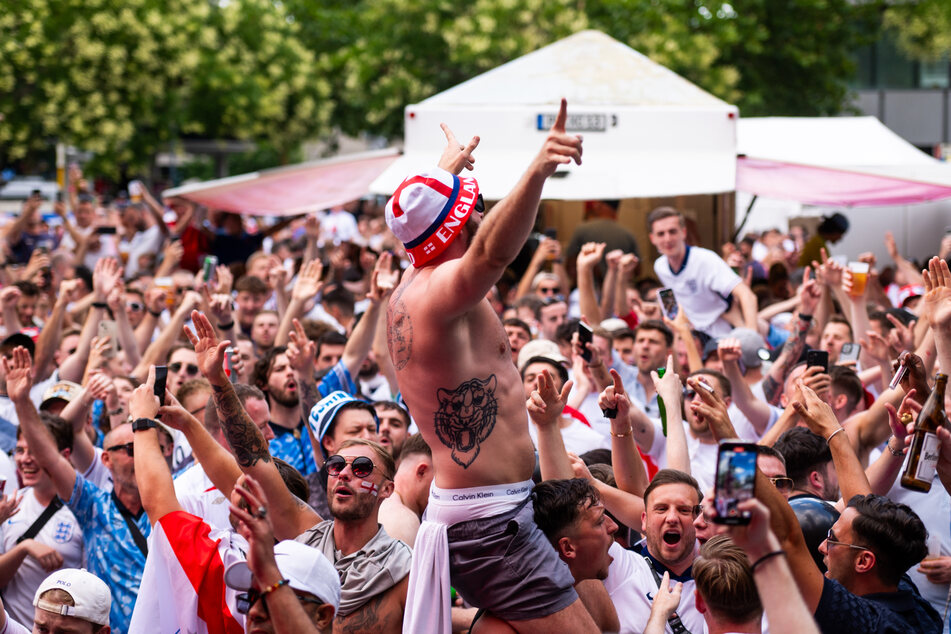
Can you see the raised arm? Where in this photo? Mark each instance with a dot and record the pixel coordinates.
(748, 305)
(504, 231)
(670, 389)
(52, 330)
(682, 329)
(306, 288)
(545, 405)
(628, 424)
(757, 411)
(938, 301)
(292, 517)
(547, 249)
(361, 339)
(588, 258)
(609, 284)
(626, 267)
(151, 471)
(106, 276)
(158, 349)
(881, 474)
(821, 420)
(40, 440)
(810, 296)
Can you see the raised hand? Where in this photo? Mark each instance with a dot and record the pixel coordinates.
(614, 399)
(545, 403)
(105, 277)
(155, 299)
(457, 156)
(815, 412)
(255, 526)
(308, 282)
(389, 276)
(711, 408)
(174, 414)
(937, 300)
(9, 506)
(876, 346)
(19, 373)
(560, 148)
(67, 289)
(579, 468)
(210, 352)
(224, 279)
(377, 292)
(590, 255)
(220, 306)
(301, 351)
(909, 407)
(9, 297)
(613, 258)
(809, 294)
(668, 386)
(666, 599)
(730, 350)
(628, 263)
(144, 403)
(900, 337)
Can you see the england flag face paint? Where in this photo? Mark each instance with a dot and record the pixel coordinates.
(366, 485)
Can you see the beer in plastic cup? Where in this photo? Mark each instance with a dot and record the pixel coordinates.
(859, 277)
(166, 284)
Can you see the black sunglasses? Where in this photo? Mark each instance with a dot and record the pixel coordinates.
(361, 466)
(190, 369)
(245, 600)
(128, 448)
(480, 204)
(554, 299)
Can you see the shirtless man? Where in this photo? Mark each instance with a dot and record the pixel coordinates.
(457, 377)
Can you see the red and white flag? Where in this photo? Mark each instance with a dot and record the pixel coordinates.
(183, 588)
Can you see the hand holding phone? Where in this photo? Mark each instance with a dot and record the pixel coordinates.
(668, 303)
(161, 376)
(735, 481)
(818, 358)
(585, 336)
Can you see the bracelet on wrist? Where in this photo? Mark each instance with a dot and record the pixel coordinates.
(103, 305)
(630, 430)
(832, 435)
(274, 586)
(766, 557)
(227, 326)
(805, 318)
(155, 314)
(897, 453)
(116, 411)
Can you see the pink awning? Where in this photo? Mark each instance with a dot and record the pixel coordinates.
(826, 186)
(295, 189)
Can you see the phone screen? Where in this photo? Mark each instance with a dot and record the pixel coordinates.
(585, 336)
(850, 352)
(819, 358)
(161, 374)
(668, 304)
(107, 328)
(736, 481)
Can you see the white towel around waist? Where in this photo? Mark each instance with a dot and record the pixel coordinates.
(427, 598)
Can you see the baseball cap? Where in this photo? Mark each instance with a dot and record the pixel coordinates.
(91, 597)
(64, 390)
(323, 413)
(427, 212)
(753, 345)
(540, 348)
(305, 569)
(909, 291)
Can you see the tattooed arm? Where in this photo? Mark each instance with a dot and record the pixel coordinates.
(291, 516)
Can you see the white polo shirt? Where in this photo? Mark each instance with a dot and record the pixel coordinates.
(703, 456)
(632, 587)
(701, 287)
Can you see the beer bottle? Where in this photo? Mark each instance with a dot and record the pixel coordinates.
(923, 454)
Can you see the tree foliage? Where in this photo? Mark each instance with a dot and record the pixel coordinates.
(922, 28)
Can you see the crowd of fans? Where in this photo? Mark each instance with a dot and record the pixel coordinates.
(204, 412)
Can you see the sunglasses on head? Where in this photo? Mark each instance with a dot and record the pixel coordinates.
(128, 448)
(190, 369)
(246, 600)
(361, 466)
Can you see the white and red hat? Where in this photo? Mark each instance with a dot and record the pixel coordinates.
(427, 212)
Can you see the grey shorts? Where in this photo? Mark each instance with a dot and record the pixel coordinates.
(507, 566)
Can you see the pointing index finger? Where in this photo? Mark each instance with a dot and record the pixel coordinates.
(450, 137)
(618, 383)
(562, 117)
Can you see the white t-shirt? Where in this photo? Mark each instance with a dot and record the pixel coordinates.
(632, 587)
(703, 456)
(701, 287)
(62, 532)
(198, 496)
(142, 243)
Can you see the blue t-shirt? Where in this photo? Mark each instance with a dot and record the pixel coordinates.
(899, 612)
(111, 553)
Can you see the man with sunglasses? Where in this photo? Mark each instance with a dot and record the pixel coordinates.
(114, 525)
(454, 368)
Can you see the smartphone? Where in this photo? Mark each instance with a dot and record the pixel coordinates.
(161, 374)
(208, 268)
(229, 368)
(819, 358)
(585, 336)
(106, 230)
(551, 233)
(850, 352)
(107, 328)
(735, 481)
(668, 304)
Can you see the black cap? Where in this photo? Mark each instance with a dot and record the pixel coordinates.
(815, 517)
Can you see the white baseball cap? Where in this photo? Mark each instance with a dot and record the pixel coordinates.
(91, 597)
(305, 568)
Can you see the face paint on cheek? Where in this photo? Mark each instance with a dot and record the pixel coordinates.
(369, 486)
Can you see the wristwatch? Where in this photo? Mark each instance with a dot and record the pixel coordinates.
(144, 423)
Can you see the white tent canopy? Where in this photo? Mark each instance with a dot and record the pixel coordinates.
(853, 161)
(648, 132)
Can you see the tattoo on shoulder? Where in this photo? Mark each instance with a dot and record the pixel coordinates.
(245, 439)
(364, 619)
(771, 389)
(466, 417)
(399, 336)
